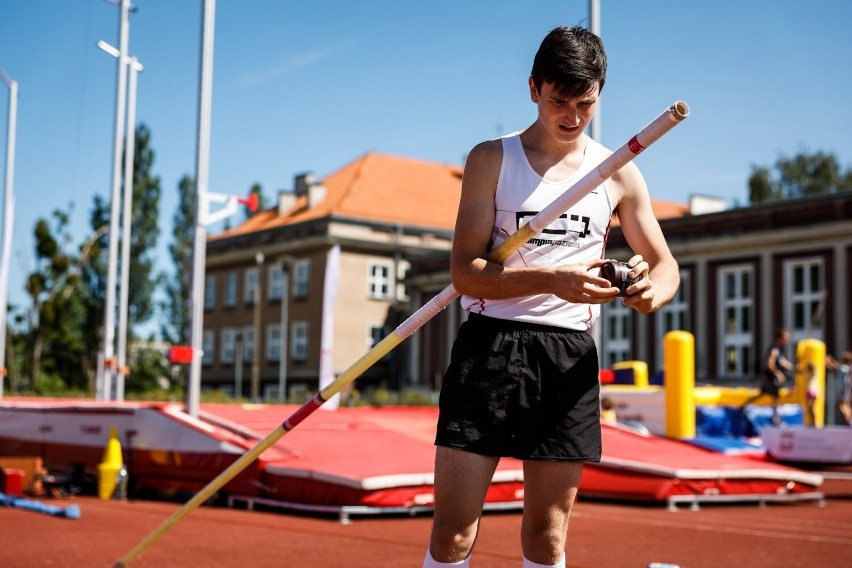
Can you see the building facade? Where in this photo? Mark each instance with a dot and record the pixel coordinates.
(265, 279)
(744, 273)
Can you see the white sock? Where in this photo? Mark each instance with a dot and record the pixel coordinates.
(531, 564)
(430, 562)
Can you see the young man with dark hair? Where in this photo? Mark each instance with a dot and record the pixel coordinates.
(523, 376)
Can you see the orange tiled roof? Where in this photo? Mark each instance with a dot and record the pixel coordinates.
(663, 210)
(383, 188)
(376, 187)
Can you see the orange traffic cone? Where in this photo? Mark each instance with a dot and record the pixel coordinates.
(111, 466)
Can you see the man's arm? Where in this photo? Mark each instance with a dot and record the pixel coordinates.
(660, 274)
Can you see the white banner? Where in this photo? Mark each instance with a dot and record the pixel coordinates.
(329, 294)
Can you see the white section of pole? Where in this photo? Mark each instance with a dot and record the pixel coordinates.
(8, 218)
(104, 384)
(127, 224)
(196, 302)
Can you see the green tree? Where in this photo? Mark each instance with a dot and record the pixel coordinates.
(174, 327)
(58, 305)
(94, 279)
(256, 189)
(143, 279)
(175, 324)
(800, 176)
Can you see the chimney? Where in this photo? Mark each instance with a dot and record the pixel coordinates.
(702, 204)
(303, 182)
(286, 201)
(316, 194)
(305, 185)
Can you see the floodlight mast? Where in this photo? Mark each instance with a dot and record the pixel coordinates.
(8, 217)
(106, 361)
(196, 301)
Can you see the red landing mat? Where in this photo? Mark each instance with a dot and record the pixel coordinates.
(376, 457)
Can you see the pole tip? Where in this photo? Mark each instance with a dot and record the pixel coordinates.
(680, 110)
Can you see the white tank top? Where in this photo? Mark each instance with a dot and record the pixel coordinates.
(579, 234)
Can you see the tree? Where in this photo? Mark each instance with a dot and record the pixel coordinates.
(257, 189)
(145, 232)
(58, 296)
(175, 324)
(142, 279)
(800, 176)
(175, 308)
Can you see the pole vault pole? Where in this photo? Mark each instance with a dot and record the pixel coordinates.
(606, 169)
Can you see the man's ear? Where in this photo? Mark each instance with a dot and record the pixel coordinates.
(533, 91)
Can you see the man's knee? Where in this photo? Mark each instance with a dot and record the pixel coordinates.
(450, 542)
(544, 544)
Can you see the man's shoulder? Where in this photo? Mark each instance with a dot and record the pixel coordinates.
(486, 153)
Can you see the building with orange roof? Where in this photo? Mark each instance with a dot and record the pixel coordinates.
(264, 278)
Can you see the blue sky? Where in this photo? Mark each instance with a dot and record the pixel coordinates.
(311, 86)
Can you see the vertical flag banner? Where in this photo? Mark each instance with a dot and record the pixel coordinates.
(329, 294)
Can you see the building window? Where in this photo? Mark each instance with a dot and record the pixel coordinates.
(229, 337)
(273, 342)
(210, 293)
(736, 321)
(207, 339)
(616, 333)
(375, 334)
(252, 282)
(674, 316)
(301, 278)
(299, 345)
(248, 344)
(276, 282)
(803, 280)
(378, 281)
(231, 290)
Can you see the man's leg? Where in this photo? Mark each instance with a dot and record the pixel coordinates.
(461, 481)
(549, 491)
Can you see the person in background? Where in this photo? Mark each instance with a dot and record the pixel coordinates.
(843, 376)
(777, 370)
(608, 414)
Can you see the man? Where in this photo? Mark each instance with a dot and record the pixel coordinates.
(523, 378)
(776, 368)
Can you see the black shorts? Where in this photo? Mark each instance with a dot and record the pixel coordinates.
(769, 384)
(522, 390)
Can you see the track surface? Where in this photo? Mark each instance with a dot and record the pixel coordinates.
(602, 535)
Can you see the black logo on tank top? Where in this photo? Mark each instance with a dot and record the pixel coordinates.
(566, 224)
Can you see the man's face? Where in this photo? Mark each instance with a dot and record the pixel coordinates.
(565, 118)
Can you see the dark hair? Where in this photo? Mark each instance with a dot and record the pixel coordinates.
(573, 59)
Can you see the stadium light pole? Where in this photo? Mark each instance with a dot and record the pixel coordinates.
(126, 216)
(202, 167)
(106, 361)
(595, 25)
(8, 217)
(595, 133)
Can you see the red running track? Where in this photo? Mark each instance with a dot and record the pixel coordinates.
(602, 535)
